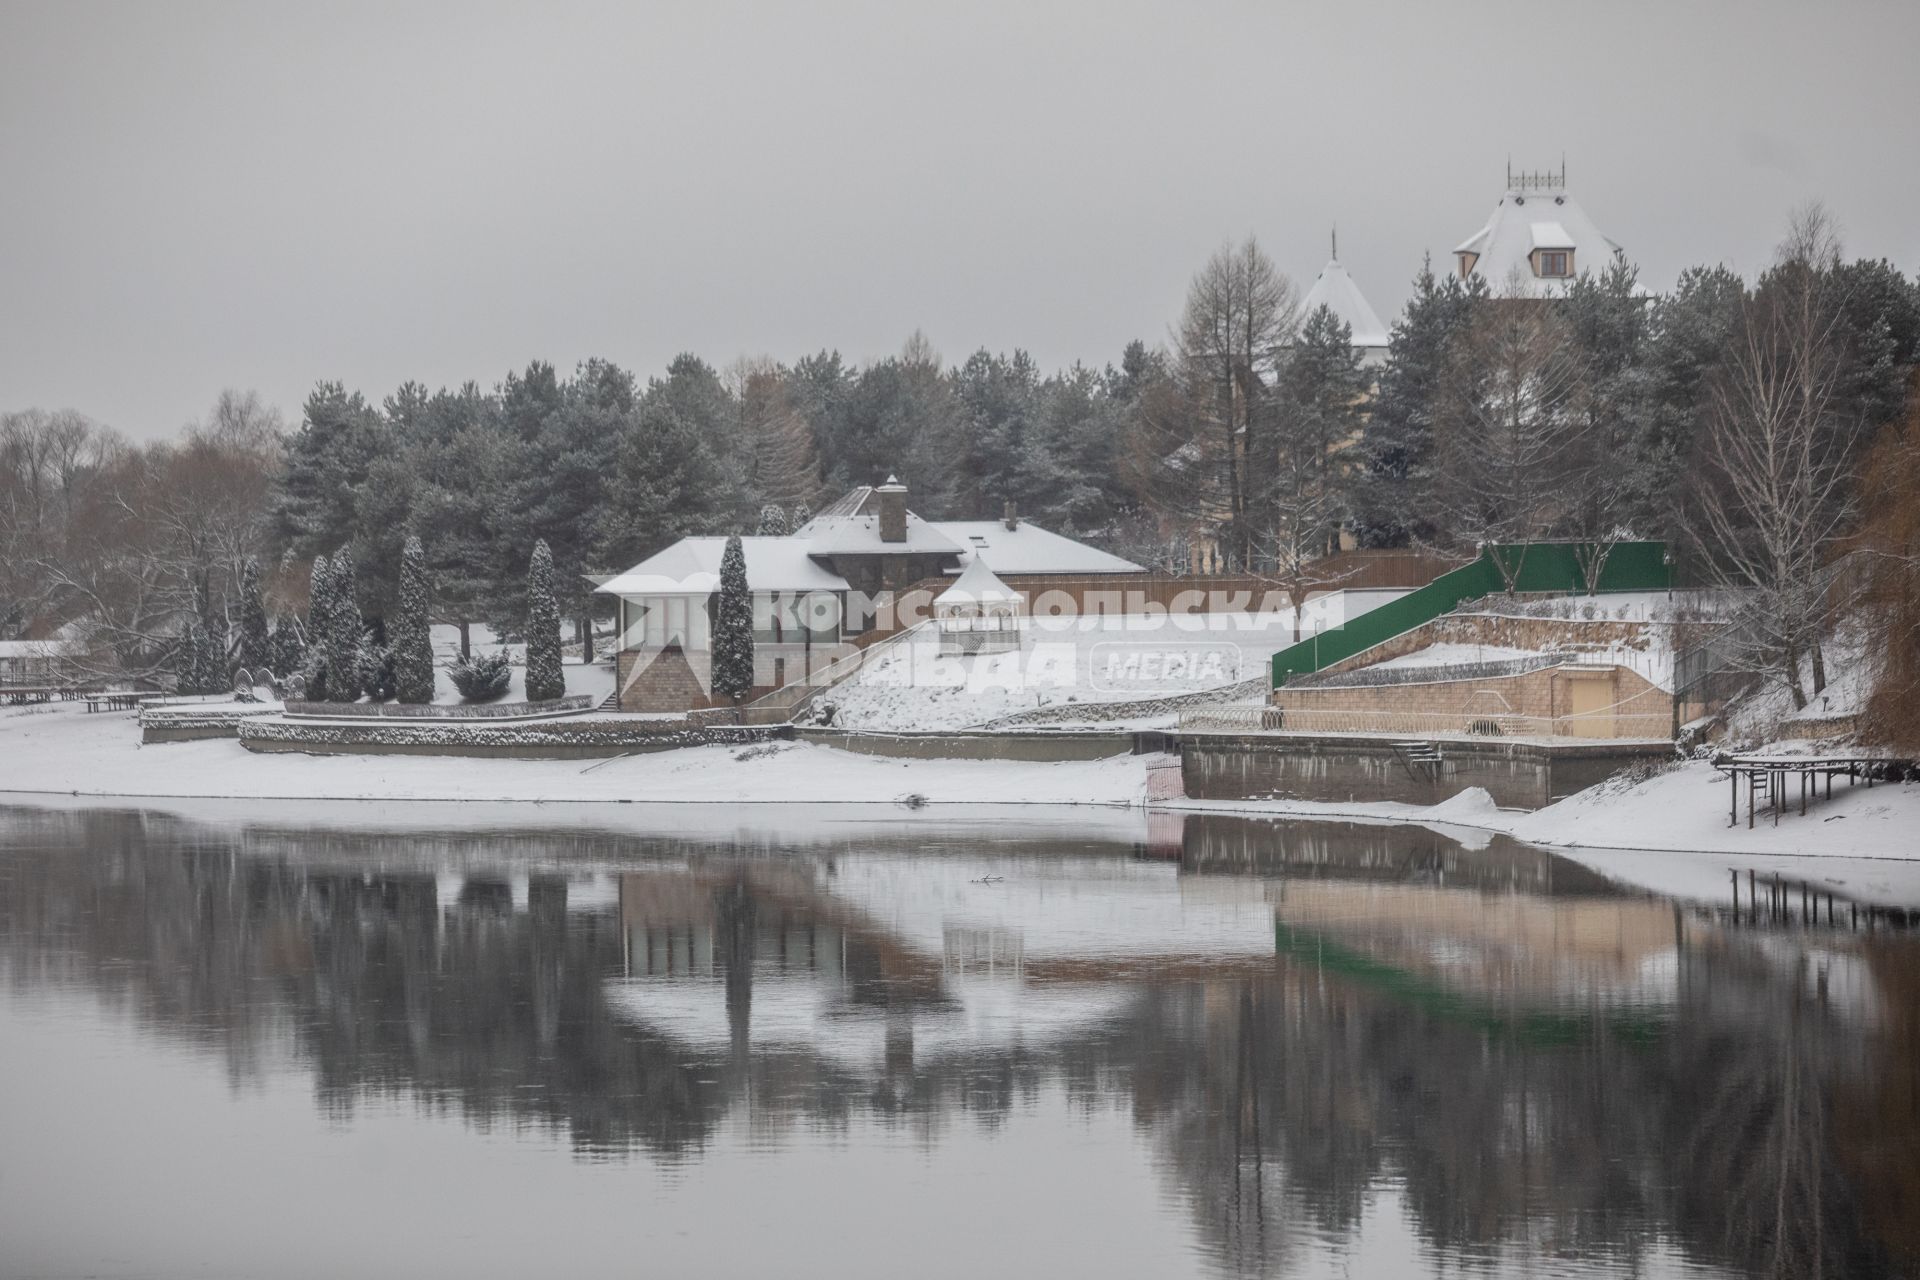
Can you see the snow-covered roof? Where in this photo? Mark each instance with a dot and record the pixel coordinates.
(691, 566)
(860, 534)
(851, 526)
(40, 648)
(1335, 290)
(1534, 216)
(858, 500)
(1551, 235)
(977, 584)
(1027, 548)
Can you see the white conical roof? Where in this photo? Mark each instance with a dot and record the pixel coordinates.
(1335, 290)
(977, 585)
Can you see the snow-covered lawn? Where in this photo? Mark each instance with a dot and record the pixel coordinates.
(60, 748)
(1121, 658)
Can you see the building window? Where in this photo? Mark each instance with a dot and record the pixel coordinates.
(1556, 262)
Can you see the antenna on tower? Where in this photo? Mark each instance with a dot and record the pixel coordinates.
(1336, 242)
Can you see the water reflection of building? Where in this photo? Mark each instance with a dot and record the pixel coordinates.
(1503, 944)
(1283, 1093)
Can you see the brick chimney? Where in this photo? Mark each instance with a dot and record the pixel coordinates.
(1010, 517)
(893, 510)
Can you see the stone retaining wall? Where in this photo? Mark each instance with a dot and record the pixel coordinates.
(447, 711)
(1501, 631)
(1541, 694)
(538, 740)
(1518, 775)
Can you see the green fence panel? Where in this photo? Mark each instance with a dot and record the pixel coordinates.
(1538, 567)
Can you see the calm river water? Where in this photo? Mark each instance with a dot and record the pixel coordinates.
(428, 1042)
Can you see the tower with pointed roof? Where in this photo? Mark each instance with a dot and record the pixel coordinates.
(1537, 241)
(1335, 290)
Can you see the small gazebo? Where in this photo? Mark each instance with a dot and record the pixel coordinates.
(978, 613)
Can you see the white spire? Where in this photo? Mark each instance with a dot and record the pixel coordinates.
(1335, 290)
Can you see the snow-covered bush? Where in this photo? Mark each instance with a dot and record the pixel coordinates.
(288, 653)
(190, 660)
(376, 669)
(483, 677)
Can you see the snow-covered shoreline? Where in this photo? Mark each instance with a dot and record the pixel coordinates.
(1676, 816)
(1679, 810)
(58, 749)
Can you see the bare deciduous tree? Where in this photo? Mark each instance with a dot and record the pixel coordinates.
(1212, 441)
(1507, 428)
(1777, 493)
(123, 543)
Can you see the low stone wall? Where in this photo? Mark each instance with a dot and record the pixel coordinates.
(536, 740)
(1805, 726)
(1500, 631)
(1632, 706)
(449, 711)
(196, 724)
(1518, 775)
(1042, 747)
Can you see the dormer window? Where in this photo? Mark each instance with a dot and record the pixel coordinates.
(1554, 264)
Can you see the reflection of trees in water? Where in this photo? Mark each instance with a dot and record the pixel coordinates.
(1279, 1102)
(1711, 1126)
(1746, 1112)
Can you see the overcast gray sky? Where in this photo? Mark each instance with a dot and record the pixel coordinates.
(195, 196)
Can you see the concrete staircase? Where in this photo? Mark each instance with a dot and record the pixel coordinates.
(1422, 760)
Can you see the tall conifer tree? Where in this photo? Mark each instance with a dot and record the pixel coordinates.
(733, 626)
(319, 627)
(286, 652)
(345, 631)
(545, 679)
(412, 643)
(256, 644)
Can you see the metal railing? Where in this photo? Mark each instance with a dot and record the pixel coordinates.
(1474, 724)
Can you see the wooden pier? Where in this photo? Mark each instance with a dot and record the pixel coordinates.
(1768, 777)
